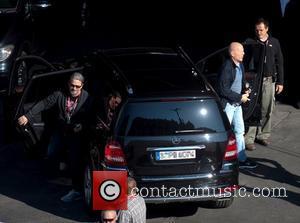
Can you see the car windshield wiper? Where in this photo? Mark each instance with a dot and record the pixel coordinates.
(202, 130)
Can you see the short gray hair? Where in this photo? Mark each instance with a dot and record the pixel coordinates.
(77, 76)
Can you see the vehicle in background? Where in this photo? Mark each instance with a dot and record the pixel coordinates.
(16, 39)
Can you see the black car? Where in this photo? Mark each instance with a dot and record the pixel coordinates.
(16, 37)
(170, 132)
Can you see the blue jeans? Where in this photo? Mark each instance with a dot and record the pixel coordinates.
(235, 117)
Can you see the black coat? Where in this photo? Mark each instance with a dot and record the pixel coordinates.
(58, 101)
(273, 64)
(226, 79)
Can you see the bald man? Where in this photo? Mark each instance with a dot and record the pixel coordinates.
(109, 216)
(230, 86)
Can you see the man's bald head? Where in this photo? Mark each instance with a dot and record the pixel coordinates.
(236, 51)
(234, 46)
(109, 216)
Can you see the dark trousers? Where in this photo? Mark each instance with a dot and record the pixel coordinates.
(68, 148)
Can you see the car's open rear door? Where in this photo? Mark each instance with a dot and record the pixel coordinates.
(37, 88)
(253, 62)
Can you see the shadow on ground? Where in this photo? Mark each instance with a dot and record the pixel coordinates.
(171, 210)
(272, 170)
(23, 179)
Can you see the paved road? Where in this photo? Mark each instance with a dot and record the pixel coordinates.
(27, 196)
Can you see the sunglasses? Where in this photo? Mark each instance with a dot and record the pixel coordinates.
(75, 86)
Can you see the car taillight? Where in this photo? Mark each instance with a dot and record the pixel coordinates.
(114, 155)
(231, 149)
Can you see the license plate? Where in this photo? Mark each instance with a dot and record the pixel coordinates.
(176, 155)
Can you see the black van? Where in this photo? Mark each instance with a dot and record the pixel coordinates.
(170, 132)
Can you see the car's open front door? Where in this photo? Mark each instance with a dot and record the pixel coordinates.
(39, 87)
(253, 62)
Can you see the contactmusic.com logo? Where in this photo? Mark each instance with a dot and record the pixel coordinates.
(109, 190)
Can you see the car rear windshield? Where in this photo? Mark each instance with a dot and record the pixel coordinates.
(159, 118)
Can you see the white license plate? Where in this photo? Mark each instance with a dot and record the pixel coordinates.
(176, 155)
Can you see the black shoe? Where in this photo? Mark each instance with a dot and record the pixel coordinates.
(249, 164)
(264, 142)
(250, 147)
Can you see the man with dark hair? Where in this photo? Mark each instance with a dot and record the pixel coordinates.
(72, 107)
(136, 207)
(105, 110)
(272, 83)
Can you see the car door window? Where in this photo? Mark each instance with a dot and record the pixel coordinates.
(103, 78)
(210, 67)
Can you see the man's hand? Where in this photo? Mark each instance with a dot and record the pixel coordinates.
(22, 120)
(245, 98)
(279, 88)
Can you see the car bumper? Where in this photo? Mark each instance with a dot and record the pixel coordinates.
(196, 187)
(177, 199)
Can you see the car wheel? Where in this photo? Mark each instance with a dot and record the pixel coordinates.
(222, 203)
(88, 187)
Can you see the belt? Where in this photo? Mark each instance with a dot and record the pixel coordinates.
(236, 104)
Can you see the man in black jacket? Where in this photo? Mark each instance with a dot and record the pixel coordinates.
(272, 83)
(73, 107)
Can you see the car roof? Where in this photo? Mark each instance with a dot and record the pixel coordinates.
(138, 50)
(173, 95)
(149, 70)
